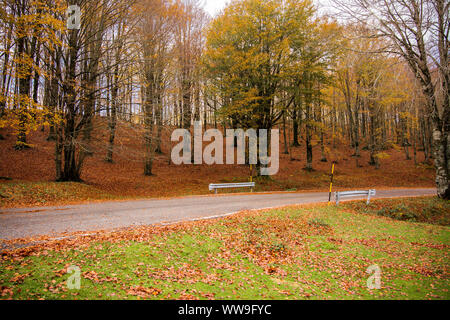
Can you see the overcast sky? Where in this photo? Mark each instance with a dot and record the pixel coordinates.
(214, 6)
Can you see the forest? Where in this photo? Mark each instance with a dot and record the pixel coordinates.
(254, 150)
(371, 77)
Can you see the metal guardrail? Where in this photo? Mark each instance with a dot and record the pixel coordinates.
(215, 186)
(368, 193)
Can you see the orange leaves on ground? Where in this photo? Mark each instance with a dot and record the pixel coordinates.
(270, 241)
(143, 292)
(124, 178)
(266, 244)
(6, 291)
(19, 278)
(97, 278)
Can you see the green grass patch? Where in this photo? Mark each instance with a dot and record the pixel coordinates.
(315, 252)
(425, 209)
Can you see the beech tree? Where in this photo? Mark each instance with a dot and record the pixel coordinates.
(78, 76)
(419, 33)
(252, 48)
(29, 25)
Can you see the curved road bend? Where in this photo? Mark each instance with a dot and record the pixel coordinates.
(29, 222)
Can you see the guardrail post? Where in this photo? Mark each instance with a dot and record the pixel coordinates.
(368, 196)
(337, 198)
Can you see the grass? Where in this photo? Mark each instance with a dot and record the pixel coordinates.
(428, 210)
(312, 252)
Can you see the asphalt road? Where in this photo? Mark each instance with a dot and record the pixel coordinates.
(30, 222)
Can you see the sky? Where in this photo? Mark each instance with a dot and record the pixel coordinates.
(214, 6)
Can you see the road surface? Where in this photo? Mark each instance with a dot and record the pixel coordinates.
(30, 222)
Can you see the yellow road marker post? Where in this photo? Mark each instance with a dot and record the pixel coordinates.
(331, 183)
(251, 176)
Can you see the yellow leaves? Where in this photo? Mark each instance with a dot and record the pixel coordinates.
(27, 114)
(254, 46)
(24, 66)
(382, 155)
(366, 76)
(395, 146)
(39, 22)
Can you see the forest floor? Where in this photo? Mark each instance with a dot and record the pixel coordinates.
(30, 173)
(297, 252)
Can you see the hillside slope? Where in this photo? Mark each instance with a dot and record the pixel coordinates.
(32, 171)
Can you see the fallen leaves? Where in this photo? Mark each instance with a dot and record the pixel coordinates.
(241, 255)
(143, 292)
(421, 209)
(6, 291)
(97, 278)
(428, 271)
(19, 278)
(124, 178)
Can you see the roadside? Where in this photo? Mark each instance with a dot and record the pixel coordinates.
(53, 221)
(38, 195)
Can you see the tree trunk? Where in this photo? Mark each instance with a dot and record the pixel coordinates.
(295, 127)
(308, 134)
(286, 150)
(148, 125)
(24, 91)
(70, 170)
(113, 112)
(322, 142)
(148, 138)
